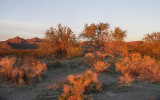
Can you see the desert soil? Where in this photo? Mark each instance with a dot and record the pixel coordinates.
(111, 90)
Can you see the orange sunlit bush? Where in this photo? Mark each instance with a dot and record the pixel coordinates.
(99, 35)
(80, 85)
(100, 66)
(138, 67)
(150, 49)
(116, 48)
(22, 71)
(60, 42)
(73, 52)
(150, 45)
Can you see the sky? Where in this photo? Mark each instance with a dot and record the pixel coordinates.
(31, 18)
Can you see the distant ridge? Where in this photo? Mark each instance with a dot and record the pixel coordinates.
(20, 43)
(133, 44)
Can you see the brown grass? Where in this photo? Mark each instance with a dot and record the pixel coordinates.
(22, 71)
(137, 67)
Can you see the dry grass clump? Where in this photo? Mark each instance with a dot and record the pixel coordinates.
(137, 67)
(22, 71)
(80, 85)
(100, 66)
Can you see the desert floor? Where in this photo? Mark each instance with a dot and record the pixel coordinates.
(110, 90)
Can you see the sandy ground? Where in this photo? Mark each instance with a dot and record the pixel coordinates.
(111, 90)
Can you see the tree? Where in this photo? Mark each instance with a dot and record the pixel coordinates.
(152, 38)
(96, 32)
(57, 41)
(118, 34)
(151, 45)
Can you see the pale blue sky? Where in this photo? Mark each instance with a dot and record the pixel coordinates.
(31, 18)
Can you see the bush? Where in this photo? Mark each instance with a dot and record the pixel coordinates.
(137, 67)
(116, 48)
(22, 71)
(149, 49)
(100, 66)
(89, 55)
(79, 86)
(73, 52)
(60, 42)
(150, 45)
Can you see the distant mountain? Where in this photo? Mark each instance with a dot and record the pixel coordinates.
(34, 40)
(20, 43)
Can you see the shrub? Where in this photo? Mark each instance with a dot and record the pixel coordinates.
(150, 45)
(73, 52)
(100, 66)
(152, 38)
(80, 85)
(60, 42)
(149, 49)
(116, 48)
(100, 54)
(87, 46)
(137, 67)
(89, 55)
(91, 60)
(22, 71)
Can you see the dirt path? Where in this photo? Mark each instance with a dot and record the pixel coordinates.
(110, 88)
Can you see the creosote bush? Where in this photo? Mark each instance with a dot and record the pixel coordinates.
(150, 45)
(116, 48)
(105, 40)
(137, 67)
(22, 71)
(60, 42)
(80, 86)
(74, 52)
(100, 66)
